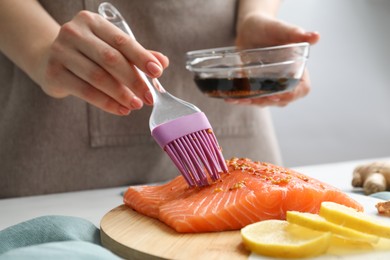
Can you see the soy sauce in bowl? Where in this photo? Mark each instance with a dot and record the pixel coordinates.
(244, 87)
(235, 73)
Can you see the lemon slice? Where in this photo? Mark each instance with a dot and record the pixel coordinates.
(351, 218)
(347, 243)
(319, 223)
(278, 238)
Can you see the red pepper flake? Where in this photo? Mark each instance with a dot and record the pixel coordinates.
(302, 177)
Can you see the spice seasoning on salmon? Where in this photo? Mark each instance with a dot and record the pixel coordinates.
(248, 193)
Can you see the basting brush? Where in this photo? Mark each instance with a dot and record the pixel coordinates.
(179, 127)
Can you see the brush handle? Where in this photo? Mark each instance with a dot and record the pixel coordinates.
(111, 14)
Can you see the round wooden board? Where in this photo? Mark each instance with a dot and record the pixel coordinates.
(135, 236)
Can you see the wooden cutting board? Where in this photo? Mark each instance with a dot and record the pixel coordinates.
(135, 236)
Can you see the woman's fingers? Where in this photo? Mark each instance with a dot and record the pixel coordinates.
(96, 76)
(162, 58)
(290, 33)
(312, 37)
(102, 57)
(131, 50)
(286, 33)
(259, 30)
(118, 53)
(111, 63)
(122, 42)
(77, 87)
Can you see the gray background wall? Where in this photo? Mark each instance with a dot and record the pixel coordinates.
(346, 116)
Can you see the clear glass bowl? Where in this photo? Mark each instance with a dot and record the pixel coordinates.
(232, 73)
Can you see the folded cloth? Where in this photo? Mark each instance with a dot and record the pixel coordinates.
(53, 237)
(64, 250)
(383, 195)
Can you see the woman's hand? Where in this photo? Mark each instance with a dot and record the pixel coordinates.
(94, 60)
(88, 57)
(260, 30)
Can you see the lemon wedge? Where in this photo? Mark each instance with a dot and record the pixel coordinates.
(278, 238)
(319, 223)
(351, 218)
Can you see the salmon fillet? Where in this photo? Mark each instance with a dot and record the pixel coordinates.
(249, 192)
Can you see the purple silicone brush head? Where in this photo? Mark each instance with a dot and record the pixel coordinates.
(191, 144)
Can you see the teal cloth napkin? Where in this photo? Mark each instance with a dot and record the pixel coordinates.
(53, 237)
(383, 195)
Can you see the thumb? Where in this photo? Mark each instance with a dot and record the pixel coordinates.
(311, 37)
(287, 33)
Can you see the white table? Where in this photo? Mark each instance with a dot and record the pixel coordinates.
(93, 204)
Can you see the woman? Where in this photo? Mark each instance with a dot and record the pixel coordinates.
(70, 100)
